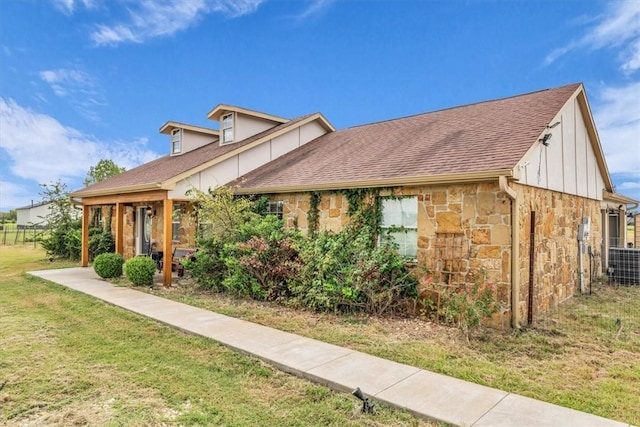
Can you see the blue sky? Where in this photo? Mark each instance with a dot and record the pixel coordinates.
(83, 80)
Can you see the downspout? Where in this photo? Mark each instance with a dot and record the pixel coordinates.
(515, 250)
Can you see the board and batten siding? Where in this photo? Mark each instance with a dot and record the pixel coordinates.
(568, 163)
(192, 140)
(246, 161)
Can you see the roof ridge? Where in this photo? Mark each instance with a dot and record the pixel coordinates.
(465, 105)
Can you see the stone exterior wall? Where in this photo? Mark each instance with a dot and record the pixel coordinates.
(556, 252)
(332, 211)
(463, 230)
(464, 234)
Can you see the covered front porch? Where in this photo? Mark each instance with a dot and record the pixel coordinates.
(143, 224)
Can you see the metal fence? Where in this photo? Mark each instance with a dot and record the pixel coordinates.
(21, 234)
(624, 266)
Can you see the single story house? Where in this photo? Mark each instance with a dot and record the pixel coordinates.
(515, 188)
(35, 214)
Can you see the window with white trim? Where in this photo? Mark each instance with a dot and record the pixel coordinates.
(400, 224)
(176, 141)
(274, 208)
(227, 128)
(175, 223)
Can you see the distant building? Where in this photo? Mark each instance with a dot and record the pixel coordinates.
(33, 214)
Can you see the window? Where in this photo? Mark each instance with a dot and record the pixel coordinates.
(176, 141)
(227, 128)
(175, 223)
(400, 224)
(274, 208)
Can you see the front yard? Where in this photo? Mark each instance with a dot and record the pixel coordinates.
(60, 364)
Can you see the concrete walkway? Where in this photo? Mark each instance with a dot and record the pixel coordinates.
(426, 394)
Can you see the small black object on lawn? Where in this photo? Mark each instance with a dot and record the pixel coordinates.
(367, 405)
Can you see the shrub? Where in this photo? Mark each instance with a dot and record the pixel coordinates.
(207, 266)
(140, 270)
(100, 242)
(108, 265)
(264, 262)
(465, 305)
(345, 272)
(64, 241)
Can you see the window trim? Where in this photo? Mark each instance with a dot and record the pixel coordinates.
(386, 231)
(279, 208)
(177, 140)
(176, 219)
(230, 126)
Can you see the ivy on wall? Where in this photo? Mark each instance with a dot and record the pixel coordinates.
(364, 208)
(313, 216)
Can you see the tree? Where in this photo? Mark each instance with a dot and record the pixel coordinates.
(221, 213)
(104, 169)
(64, 240)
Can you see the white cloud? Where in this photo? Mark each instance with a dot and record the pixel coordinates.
(149, 19)
(619, 27)
(315, 7)
(78, 87)
(14, 195)
(617, 116)
(69, 6)
(43, 150)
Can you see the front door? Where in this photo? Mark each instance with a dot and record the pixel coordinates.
(145, 231)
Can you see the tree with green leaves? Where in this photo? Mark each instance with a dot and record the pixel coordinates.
(64, 240)
(104, 169)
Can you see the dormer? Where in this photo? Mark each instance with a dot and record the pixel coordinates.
(184, 138)
(237, 124)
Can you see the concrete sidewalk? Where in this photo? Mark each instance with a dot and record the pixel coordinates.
(426, 394)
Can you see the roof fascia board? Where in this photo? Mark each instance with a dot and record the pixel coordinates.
(169, 184)
(219, 109)
(169, 126)
(608, 196)
(458, 178)
(593, 136)
(120, 190)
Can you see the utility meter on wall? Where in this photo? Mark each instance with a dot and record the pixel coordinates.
(584, 229)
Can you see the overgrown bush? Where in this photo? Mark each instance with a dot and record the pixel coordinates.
(100, 242)
(64, 241)
(108, 265)
(140, 270)
(344, 272)
(251, 255)
(265, 261)
(207, 266)
(464, 305)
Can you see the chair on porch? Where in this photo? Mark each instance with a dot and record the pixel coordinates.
(178, 255)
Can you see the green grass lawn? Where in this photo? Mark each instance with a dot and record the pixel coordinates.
(84, 360)
(69, 359)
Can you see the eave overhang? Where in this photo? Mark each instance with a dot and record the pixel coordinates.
(457, 178)
(170, 125)
(221, 109)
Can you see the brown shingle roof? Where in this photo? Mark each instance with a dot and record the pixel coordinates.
(154, 173)
(487, 136)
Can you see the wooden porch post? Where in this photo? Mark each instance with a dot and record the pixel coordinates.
(166, 245)
(119, 228)
(84, 253)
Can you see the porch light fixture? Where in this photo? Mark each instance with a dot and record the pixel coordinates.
(149, 211)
